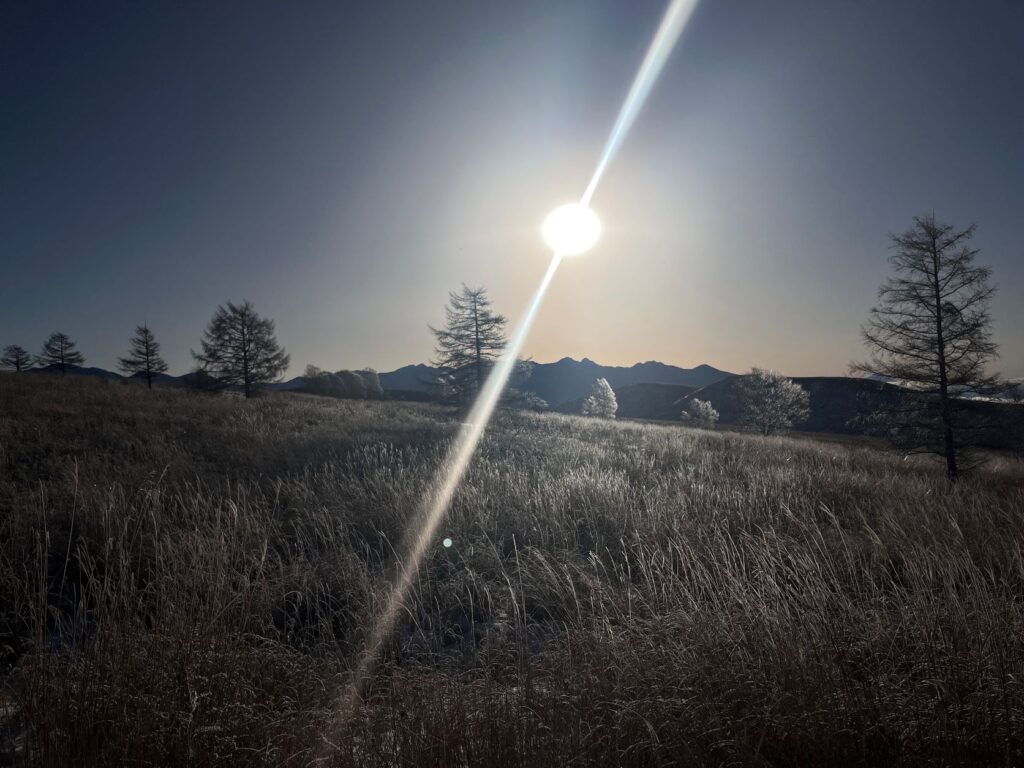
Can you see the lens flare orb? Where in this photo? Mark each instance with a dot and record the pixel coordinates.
(571, 229)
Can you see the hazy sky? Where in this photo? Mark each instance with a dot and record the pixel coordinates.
(344, 165)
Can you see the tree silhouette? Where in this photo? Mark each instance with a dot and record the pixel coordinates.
(143, 356)
(931, 333)
(770, 401)
(16, 357)
(59, 350)
(239, 349)
(472, 339)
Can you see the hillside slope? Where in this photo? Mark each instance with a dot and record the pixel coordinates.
(839, 405)
(568, 379)
(660, 402)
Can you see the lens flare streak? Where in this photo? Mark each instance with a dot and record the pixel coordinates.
(464, 445)
(671, 27)
(459, 455)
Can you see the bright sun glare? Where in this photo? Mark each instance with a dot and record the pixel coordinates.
(571, 229)
(568, 230)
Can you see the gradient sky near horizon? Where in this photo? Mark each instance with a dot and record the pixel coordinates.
(344, 165)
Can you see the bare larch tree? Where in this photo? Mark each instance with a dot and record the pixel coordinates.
(472, 339)
(18, 358)
(143, 356)
(59, 350)
(239, 349)
(931, 334)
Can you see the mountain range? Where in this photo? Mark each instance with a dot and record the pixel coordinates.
(557, 383)
(568, 379)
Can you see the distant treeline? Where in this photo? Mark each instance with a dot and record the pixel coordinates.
(239, 352)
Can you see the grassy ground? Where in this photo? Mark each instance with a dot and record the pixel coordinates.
(187, 580)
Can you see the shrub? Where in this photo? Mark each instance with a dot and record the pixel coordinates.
(700, 413)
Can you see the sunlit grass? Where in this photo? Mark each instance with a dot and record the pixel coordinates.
(187, 580)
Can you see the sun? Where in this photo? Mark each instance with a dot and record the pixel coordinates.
(571, 229)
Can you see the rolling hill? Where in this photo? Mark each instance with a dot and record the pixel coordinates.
(74, 370)
(656, 391)
(837, 404)
(567, 379)
(658, 402)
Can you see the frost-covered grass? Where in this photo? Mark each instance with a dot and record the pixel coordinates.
(187, 580)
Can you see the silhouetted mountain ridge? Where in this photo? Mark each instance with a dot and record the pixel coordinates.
(568, 379)
(75, 370)
(164, 379)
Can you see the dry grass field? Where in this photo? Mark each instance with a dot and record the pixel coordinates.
(187, 580)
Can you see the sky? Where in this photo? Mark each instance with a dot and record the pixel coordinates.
(344, 165)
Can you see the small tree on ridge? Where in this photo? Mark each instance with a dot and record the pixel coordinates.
(59, 350)
(18, 358)
(143, 356)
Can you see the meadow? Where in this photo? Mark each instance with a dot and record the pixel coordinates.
(188, 580)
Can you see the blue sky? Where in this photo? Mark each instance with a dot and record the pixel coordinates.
(344, 165)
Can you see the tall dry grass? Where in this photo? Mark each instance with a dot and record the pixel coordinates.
(187, 580)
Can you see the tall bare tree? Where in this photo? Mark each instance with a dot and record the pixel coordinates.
(143, 356)
(239, 349)
(931, 333)
(59, 350)
(472, 339)
(18, 358)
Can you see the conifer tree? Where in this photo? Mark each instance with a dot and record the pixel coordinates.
(932, 334)
(18, 358)
(469, 344)
(240, 349)
(143, 356)
(60, 351)
(601, 401)
(770, 401)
